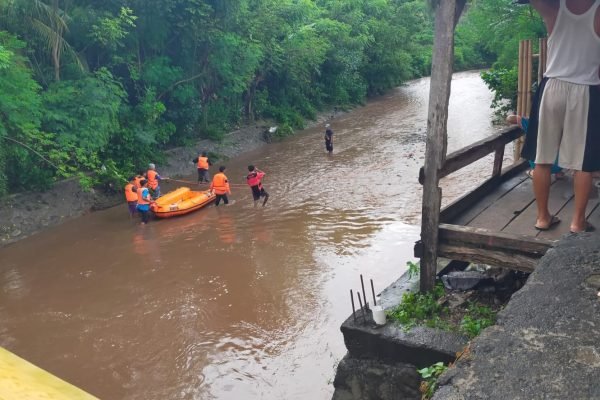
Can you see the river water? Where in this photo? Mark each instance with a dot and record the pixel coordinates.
(236, 302)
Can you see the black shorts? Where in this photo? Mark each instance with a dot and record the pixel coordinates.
(328, 146)
(258, 192)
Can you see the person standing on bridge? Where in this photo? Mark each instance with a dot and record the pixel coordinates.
(220, 186)
(254, 180)
(565, 115)
(328, 139)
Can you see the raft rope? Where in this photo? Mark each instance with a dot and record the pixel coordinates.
(202, 183)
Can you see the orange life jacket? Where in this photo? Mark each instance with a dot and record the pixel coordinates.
(152, 181)
(140, 199)
(130, 195)
(203, 162)
(220, 184)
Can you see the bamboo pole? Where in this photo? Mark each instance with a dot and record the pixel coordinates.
(520, 98)
(529, 78)
(435, 152)
(542, 60)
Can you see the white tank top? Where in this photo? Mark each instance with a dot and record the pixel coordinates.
(574, 47)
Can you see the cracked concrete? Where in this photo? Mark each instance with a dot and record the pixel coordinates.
(546, 344)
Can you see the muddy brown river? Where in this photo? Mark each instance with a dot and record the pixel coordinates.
(236, 302)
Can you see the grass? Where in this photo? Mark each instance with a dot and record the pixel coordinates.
(429, 309)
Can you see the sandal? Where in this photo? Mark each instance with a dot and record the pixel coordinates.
(588, 228)
(553, 222)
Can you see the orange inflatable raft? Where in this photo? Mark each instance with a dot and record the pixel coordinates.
(181, 201)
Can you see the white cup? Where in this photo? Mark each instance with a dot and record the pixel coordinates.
(378, 315)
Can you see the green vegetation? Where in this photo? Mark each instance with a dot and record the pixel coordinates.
(86, 84)
(493, 29)
(421, 309)
(414, 269)
(429, 376)
(428, 309)
(478, 317)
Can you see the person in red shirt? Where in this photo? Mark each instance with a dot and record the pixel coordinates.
(254, 180)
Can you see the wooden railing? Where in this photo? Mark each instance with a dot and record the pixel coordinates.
(463, 243)
(468, 155)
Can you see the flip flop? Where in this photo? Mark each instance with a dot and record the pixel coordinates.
(588, 228)
(554, 221)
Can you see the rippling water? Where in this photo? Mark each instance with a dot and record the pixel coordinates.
(237, 302)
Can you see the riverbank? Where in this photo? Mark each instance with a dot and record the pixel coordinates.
(25, 214)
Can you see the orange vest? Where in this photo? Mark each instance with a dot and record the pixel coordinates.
(203, 162)
(130, 195)
(152, 181)
(220, 184)
(140, 199)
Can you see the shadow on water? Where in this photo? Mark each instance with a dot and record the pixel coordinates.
(236, 302)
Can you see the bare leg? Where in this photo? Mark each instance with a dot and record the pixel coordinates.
(541, 188)
(582, 187)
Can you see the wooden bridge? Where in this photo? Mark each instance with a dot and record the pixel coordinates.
(493, 224)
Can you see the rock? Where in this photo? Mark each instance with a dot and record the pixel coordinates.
(358, 379)
(464, 280)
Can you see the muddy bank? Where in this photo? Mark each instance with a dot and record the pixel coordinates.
(24, 214)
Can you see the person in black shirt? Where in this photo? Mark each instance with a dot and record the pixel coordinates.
(328, 138)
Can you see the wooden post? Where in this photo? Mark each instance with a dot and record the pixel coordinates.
(528, 78)
(543, 52)
(437, 135)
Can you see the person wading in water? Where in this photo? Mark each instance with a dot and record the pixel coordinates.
(220, 186)
(254, 180)
(328, 139)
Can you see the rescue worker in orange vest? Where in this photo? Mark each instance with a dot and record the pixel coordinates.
(203, 163)
(138, 178)
(131, 196)
(153, 180)
(220, 186)
(143, 201)
(254, 180)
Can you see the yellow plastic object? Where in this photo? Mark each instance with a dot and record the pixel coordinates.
(21, 380)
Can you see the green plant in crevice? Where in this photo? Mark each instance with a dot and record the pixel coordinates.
(414, 269)
(477, 319)
(421, 309)
(430, 375)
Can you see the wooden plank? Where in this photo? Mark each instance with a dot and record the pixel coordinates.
(507, 208)
(561, 192)
(485, 239)
(20, 379)
(464, 209)
(476, 151)
(497, 258)
(565, 215)
(498, 161)
(437, 137)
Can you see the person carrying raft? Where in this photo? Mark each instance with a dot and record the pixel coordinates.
(153, 179)
(220, 186)
(254, 180)
(143, 201)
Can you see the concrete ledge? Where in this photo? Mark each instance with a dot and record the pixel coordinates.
(420, 346)
(546, 344)
(375, 379)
